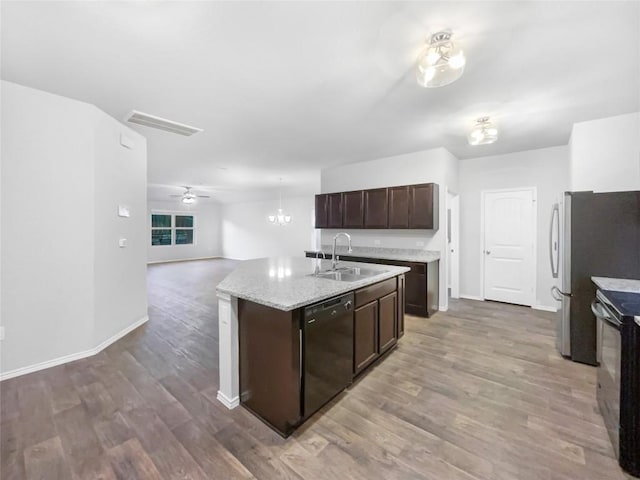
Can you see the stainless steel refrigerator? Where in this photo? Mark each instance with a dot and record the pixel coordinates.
(591, 234)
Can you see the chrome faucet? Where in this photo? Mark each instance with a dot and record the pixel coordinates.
(317, 269)
(334, 259)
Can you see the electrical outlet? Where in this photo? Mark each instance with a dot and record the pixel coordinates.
(1, 333)
(122, 243)
(419, 244)
(376, 242)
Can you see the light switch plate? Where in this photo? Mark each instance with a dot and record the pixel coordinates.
(122, 242)
(419, 244)
(376, 242)
(1, 333)
(123, 211)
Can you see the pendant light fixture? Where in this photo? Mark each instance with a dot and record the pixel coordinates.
(280, 218)
(483, 133)
(441, 62)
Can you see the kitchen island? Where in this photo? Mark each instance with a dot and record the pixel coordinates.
(422, 295)
(291, 330)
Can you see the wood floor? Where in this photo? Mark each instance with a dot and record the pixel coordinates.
(474, 393)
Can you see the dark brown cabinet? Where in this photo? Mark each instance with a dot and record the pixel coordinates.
(287, 372)
(415, 293)
(353, 208)
(376, 208)
(375, 322)
(401, 302)
(399, 207)
(322, 210)
(423, 206)
(420, 290)
(334, 208)
(403, 207)
(269, 351)
(365, 334)
(387, 320)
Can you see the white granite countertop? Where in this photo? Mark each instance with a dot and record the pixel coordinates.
(617, 284)
(401, 254)
(287, 283)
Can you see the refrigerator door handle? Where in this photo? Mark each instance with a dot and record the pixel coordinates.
(557, 294)
(554, 252)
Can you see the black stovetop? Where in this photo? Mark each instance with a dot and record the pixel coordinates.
(627, 304)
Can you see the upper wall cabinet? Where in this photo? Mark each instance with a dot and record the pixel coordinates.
(423, 206)
(376, 208)
(404, 207)
(399, 207)
(322, 211)
(334, 208)
(353, 208)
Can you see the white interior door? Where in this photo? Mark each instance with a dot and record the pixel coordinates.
(509, 246)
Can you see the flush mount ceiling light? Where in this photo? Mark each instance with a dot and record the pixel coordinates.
(441, 62)
(483, 133)
(280, 218)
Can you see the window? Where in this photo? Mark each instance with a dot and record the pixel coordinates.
(171, 229)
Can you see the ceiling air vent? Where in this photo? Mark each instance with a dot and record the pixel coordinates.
(160, 123)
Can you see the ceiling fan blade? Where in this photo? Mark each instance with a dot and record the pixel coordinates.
(175, 195)
(203, 196)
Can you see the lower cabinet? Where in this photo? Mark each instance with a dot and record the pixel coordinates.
(401, 304)
(375, 323)
(387, 320)
(365, 336)
(421, 297)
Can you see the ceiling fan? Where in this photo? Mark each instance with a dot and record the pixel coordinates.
(188, 196)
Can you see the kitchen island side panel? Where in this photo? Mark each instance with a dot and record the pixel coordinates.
(270, 364)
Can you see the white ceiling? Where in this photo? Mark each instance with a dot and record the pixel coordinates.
(283, 89)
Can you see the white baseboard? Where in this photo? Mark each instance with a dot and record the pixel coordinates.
(230, 403)
(544, 308)
(74, 356)
(472, 297)
(153, 262)
(442, 308)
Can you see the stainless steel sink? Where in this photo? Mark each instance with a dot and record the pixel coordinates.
(348, 274)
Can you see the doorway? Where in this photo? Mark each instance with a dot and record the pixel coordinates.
(508, 219)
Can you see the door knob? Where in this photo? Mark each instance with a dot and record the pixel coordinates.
(488, 252)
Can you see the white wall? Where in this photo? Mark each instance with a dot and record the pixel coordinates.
(605, 154)
(247, 233)
(120, 275)
(208, 232)
(60, 230)
(547, 170)
(436, 165)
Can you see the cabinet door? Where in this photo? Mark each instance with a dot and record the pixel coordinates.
(433, 290)
(423, 206)
(401, 301)
(353, 208)
(387, 318)
(416, 293)
(399, 207)
(322, 211)
(335, 210)
(365, 336)
(376, 208)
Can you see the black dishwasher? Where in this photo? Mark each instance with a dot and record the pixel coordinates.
(327, 353)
